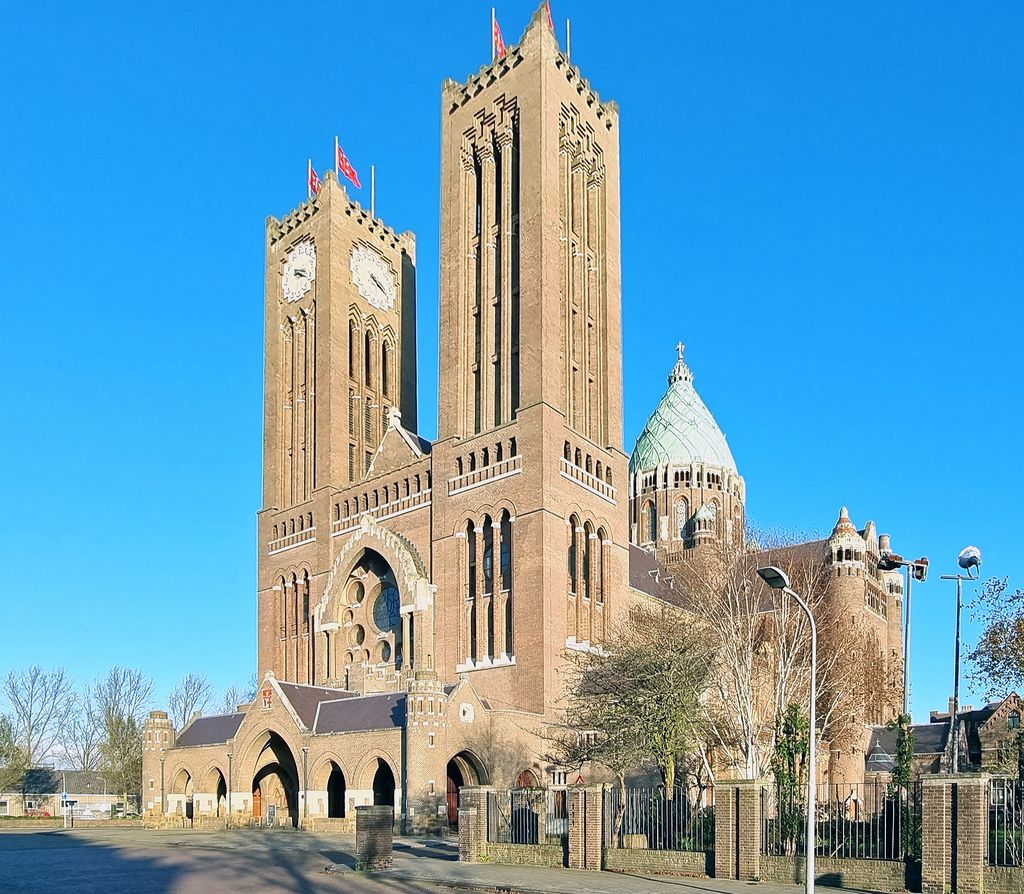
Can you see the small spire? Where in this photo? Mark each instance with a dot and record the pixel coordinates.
(680, 371)
(680, 347)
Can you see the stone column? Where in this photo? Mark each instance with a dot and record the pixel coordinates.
(738, 829)
(473, 823)
(586, 827)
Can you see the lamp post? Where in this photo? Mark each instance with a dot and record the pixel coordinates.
(916, 570)
(777, 579)
(970, 561)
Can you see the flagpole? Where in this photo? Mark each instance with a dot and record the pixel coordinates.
(337, 173)
(373, 192)
(568, 39)
(309, 178)
(494, 50)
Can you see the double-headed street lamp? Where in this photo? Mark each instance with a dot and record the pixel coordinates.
(777, 579)
(916, 570)
(970, 561)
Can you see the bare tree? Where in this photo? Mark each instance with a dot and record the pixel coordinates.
(41, 702)
(83, 735)
(193, 693)
(236, 695)
(13, 758)
(121, 699)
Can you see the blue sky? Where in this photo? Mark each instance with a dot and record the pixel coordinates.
(822, 200)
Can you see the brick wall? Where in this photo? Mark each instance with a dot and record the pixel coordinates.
(374, 837)
(738, 829)
(586, 827)
(867, 875)
(626, 859)
(551, 856)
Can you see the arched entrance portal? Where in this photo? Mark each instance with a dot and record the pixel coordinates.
(463, 769)
(383, 784)
(182, 786)
(336, 792)
(216, 785)
(275, 786)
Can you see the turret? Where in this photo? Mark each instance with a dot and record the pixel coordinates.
(158, 735)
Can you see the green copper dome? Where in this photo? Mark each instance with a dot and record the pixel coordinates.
(681, 429)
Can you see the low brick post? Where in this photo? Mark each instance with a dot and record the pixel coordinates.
(971, 840)
(936, 834)
(374, 837)
(586, 827)
(738, 829)
(473, 823)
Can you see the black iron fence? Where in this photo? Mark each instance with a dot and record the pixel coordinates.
(869, 821)
(654, 819)
(1006, 822)
(528, 816)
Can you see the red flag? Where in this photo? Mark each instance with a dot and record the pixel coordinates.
(314, 181)
(551, 21)
(499, 42)
(345, 167)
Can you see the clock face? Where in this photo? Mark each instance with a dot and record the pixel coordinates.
(299, 270)
(373, 277)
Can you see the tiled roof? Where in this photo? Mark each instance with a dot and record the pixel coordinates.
(47, 781)
(305, 699)
(347, 715)
(211, 730)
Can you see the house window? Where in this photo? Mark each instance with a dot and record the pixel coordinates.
(5, 808)
(1013, 721)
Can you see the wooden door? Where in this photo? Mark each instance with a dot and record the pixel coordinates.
(453, 803)
(257, 803)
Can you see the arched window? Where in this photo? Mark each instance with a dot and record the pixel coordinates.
(579, 457)
(282, 595)
(485, 457)
(352, 349)
(488, 555)
(367, 359)
(506, 551)
(599, 565)
(472, 462)
(608, 475)
(471, 586)
(567, 451)
(512, 447)
(275, 533)
(587, 589)
(458, 465)
(651, 521)
(497, 452)
(385, 369)
(590, 464)
(599, 470)
(573, 581)
(305, 602)
(682, 519)
(295, 605)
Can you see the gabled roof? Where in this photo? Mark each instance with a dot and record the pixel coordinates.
(48, 781)
(358, 713)
(649, 576)
(397, 448)
(929, 739)
(306, 699)
(211, 730)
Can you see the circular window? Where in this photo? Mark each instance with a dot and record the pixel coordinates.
(384, 652)
(357, 635)
(358, 592)
(385, 608)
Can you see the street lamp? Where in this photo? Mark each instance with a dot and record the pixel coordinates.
(777, 579)
(970, 561)
(916, 570)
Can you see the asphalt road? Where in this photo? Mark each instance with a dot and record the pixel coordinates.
(103, 861)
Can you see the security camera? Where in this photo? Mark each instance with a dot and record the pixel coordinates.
(970, 560)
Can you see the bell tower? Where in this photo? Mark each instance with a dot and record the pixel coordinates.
(530, 404)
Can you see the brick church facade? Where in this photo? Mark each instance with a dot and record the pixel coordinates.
(416, 600)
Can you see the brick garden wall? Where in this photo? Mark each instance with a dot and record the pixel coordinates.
(1003, 880)
(692, 863)
(548, 855)
(867, 875)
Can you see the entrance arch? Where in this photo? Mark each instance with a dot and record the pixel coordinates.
(216, 785)
(275, 784)
(336, 791)
(463, 769)
(383, 784)
(183, 786)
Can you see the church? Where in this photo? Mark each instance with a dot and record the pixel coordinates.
(416, 600)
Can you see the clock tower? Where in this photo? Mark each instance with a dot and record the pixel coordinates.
(340, 343)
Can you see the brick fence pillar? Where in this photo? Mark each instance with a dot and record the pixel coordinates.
(374, 836)
(738, 829)
(936, 834)
(586, 827)
(473, 823)
(971, 840)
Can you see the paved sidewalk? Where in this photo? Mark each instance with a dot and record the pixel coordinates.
(436, 862)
